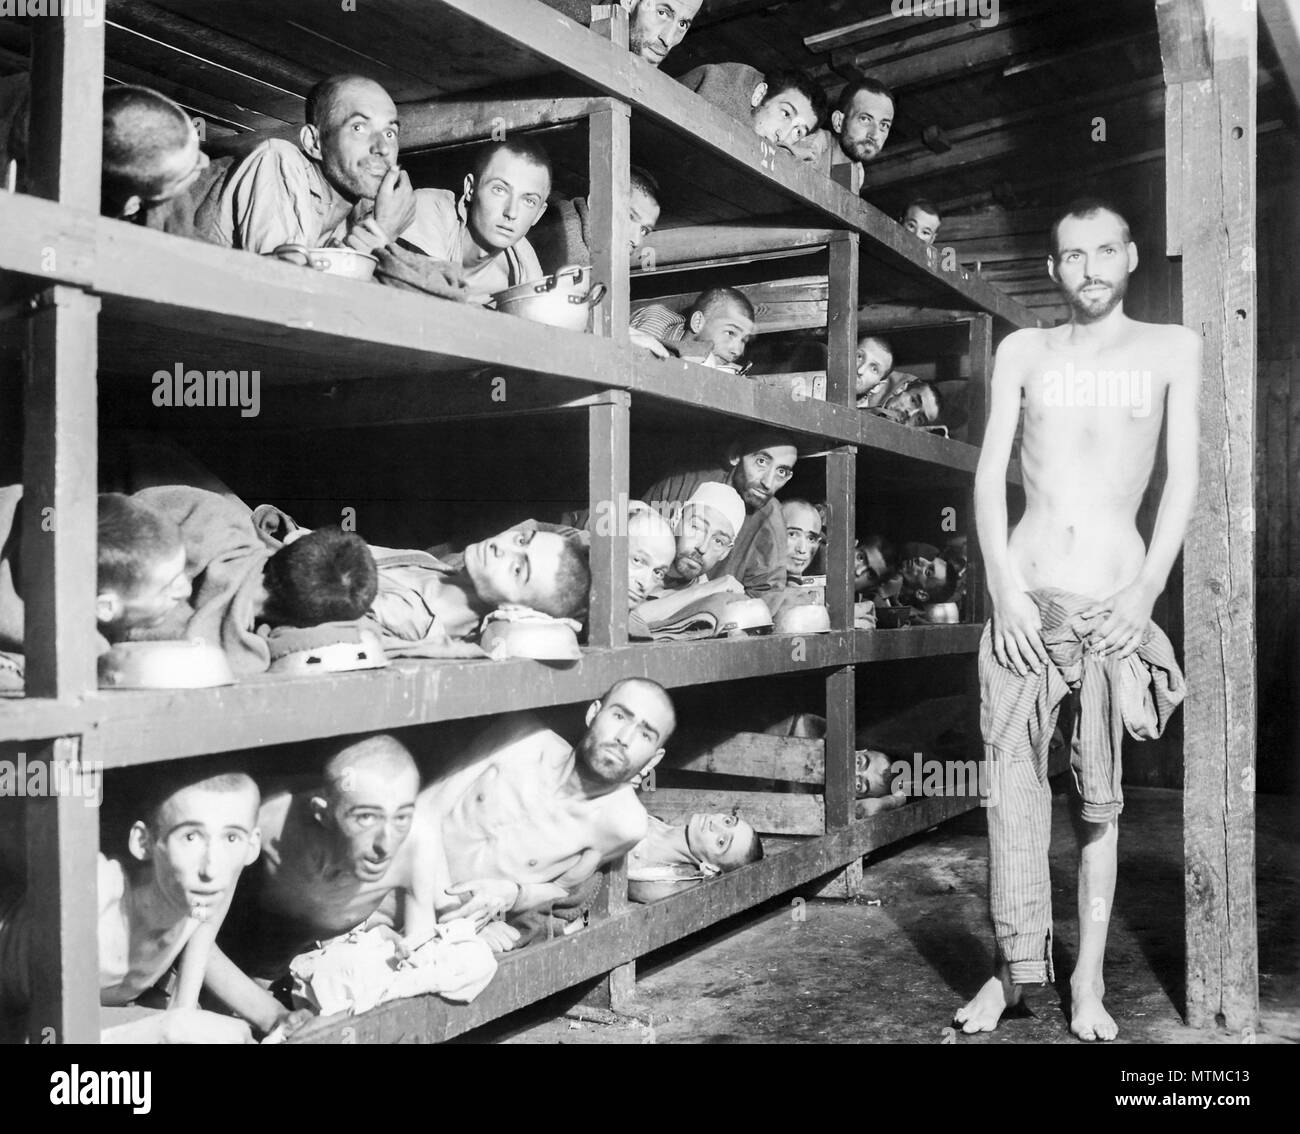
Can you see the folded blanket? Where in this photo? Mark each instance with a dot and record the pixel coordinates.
(226, 556)
(698, 620)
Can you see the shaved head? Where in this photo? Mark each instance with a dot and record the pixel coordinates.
(654, 689)
(380, 755)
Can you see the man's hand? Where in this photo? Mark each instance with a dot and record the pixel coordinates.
(394, 203)
(499, 936)
(195, 1025)
(1130, 615)
(489, 899)
(652, 344)
(399, 267)
(1018, 633)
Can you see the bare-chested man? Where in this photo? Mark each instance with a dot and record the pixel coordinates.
(332, 851)
(527, 817)
(1073, 590)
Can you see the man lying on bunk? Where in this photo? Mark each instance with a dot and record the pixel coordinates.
(141, 574)
(915, 402)
(655, 27)
(875, 360)
(1073, 590)
(706, 533)
(922, 219)
(651, 551)
(566, 236)
(714, 330)
(782, 108)
(150, 149)
(531, 818)
(483, 233)
(860, 125)
(160, 905)
(339, 183)
(672, 859)
(756, 464)
(424, 601)
(803, 535)
(240, 583)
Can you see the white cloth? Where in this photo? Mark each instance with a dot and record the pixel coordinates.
(355, 973)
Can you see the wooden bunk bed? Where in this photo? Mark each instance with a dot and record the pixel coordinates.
(100, 295)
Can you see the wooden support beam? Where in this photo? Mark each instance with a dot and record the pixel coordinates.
(127, 728)
(609, 199)
(608, 451)
(59, 490)
(1213, 206)
(842, 320)
(1021, 131)
(902, 316)
(64, 144)
(756, 755)
(841, 756)
(720, 243)
(770, 813)
(62, 836)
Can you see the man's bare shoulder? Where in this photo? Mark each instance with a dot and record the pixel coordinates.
(1023, 343)
(625, 819)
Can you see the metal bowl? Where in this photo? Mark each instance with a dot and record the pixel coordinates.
(164, 665)
(942, 612)
(564, 299)
(806, 618)
(551, 640)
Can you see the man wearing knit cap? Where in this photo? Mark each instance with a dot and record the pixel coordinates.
(756, 465)
(706, 533)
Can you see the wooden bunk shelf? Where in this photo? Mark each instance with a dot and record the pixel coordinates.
(138, 727)
(665, 102)
(545, 968)
(168, 301)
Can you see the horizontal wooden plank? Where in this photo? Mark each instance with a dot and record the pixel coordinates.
(138, 727)
(769, 812)
(544, 969)
(792, 759)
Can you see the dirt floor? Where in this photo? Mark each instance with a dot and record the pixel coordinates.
(892, 965)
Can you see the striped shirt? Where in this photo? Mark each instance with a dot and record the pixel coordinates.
(663, 323)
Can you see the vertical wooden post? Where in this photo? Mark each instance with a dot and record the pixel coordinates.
(64, 130)
(62, 852)
(609, 445)
(59, 483)
(58, 557)
(1211, 65)
(609, 441)
(841, 487)
(609, 159)
(842, 319)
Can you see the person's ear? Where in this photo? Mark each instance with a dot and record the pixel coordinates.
(1132, 255)
(309, 140)
(760, 93)
(108, 605)
(139, 841)
(540, 213)
(592, 710)
(837, 121)
(650, 767)
(468, 189)
(130, 206)
(697, 322)
(1051, 269)
(733, 457)
(254, 847)
(319, 808)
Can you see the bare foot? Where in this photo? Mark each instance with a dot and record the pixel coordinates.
(1089, 1019)
(985, 1009)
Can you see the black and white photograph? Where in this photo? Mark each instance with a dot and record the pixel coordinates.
(658, 522)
